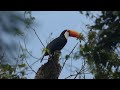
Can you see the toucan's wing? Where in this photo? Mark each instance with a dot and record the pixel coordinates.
(56, 44)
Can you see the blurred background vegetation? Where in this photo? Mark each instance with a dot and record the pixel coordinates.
(13, 26)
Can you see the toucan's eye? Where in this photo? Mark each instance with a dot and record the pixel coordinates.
(69, 32)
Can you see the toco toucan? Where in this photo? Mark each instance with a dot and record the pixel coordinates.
(58, 43)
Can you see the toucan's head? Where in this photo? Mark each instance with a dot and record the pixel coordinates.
(72, 33)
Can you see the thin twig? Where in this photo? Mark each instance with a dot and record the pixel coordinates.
(82, 70)
(70, 76)
(16, 65)
(30, 66)
(38, 36)
(30, 53)
(74, 75)
(69, 55)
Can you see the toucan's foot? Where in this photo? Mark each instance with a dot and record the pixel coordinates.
(55, 56)
(57, 53)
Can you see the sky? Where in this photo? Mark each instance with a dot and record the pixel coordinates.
(55, 22)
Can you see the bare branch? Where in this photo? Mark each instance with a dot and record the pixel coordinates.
(69, 55)
(82, 70)
(37, 36)
(70, 76)
(30, 66)
(28, 51)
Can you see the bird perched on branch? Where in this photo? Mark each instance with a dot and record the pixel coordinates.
(58, 43)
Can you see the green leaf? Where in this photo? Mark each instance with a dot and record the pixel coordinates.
(18, 32)
(22, 65)
(67, 57)
(81, 37)
(23, 56)
(91, 35)
(76, 56)
(23, 73)
(46, 50)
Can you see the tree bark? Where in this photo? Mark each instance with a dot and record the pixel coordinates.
(51, 69)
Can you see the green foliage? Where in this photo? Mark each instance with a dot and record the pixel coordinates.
(22, 65)
(46, 50)
(12, 57)
(9, 72)
(67, 57)
(81, 37)
(91, 35)
(18, 32)
(101, 50)
(23, 55)
(76, 56)
(29, 19)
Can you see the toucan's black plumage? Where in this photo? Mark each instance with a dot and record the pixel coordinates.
(57, 44)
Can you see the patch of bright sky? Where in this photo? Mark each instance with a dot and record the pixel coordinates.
(55, 22)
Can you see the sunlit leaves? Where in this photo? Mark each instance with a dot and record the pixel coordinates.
(46, 50)
(22, 65)
(23, 56)
(6, 68)
(9, 72)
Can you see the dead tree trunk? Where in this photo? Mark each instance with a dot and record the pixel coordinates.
(51, 69)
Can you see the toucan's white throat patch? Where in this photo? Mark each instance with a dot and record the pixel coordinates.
(66, 35)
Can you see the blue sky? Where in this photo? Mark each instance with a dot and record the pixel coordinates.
(55, 22)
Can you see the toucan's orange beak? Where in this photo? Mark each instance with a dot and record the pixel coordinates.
(74, 33)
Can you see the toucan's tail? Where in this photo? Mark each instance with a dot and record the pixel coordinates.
(42, 58)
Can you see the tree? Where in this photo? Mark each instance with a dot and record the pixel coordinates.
(51, 69)
(102, 47)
